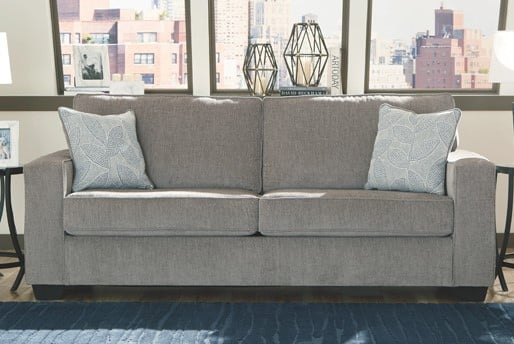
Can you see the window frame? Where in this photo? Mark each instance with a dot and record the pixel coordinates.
(140, 36)
(68, 59)
(144, 59)
(212, 51)
(495, 90)
(65, 34)
(58, 54)
(149, 76)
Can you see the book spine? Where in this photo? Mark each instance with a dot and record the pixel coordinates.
(334, 70)
(302, 92)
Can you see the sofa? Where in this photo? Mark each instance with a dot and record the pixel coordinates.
(259, 192)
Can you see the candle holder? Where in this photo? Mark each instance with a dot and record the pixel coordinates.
(260, 69)
(306, 54)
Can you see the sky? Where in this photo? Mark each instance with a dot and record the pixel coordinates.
(391, 18)
(404, 18)
(330, 13)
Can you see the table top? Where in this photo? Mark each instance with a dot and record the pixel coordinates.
(11, 170)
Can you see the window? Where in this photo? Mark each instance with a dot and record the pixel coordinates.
(185, 58)
(147, 37)
(98, 38)
(239, 23)
(66, 59)
(144, 58)
(218, 78)
(148, 78)
(439, 34)
(130, 30)
(65, 38)
(67, 79)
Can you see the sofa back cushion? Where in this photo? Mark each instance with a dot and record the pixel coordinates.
(327, 142)
(193, 142)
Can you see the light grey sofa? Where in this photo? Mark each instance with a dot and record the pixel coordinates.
(259, 193)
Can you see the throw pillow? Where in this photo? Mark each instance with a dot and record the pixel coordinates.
(411, 150)
(105, 151)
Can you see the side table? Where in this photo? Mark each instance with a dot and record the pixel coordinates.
(502, 255)
(5, 197)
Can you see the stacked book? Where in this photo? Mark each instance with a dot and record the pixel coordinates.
(303, 91)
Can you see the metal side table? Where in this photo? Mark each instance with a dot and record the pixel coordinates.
(5, 198)
(502, 255)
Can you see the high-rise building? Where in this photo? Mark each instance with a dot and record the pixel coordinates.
(454, 57)
(231, 27)
(174, 9)
(79, 10)
(447, 21)
(271, 22)
(309, 18)
(391, 64)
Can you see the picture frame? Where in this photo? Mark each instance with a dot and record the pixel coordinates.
(91, 65)
(9, 143)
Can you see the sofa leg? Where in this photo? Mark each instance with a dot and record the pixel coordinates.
(48, 292)
(469, 294)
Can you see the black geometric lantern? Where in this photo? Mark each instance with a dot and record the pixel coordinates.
(260, 69)
(306, 54)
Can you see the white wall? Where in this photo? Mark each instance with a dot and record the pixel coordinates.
(31, 51)
(29, 36)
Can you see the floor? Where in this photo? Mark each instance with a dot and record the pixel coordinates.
(249, 294)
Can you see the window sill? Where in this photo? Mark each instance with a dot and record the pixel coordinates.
(51, 103)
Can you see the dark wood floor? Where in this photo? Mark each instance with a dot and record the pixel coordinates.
(252, 294)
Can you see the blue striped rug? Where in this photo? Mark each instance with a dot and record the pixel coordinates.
(131, 322)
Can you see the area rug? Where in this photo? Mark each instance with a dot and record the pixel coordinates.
(132, 322)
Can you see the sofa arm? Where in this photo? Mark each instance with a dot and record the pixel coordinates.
(471, 182)
(47, 180)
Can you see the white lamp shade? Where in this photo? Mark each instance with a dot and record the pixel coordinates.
(502, 60)
(5, 66)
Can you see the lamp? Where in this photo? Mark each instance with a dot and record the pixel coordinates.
(260, 69)
(306, 54)
(502, 61)
(5, 67)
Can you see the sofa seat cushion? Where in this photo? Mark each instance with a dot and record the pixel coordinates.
(216, 212)
(354, 213)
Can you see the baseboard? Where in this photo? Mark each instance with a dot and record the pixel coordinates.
(5, 241)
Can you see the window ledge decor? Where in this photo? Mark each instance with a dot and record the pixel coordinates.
(306, 54)
(260, 69)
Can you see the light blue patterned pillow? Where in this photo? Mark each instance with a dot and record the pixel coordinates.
(105, 151)
(411, 150)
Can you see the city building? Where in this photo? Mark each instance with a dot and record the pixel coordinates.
(172, 9)
(144, 43)
(388, 76)
(231, 25)
(454, 57)
(391, 64)
(447, 21)
(271, 22)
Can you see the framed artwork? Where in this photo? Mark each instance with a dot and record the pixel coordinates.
(9, 143)
(91, 62)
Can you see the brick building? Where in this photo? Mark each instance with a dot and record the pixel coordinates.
(145, 43)
(454, 57)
